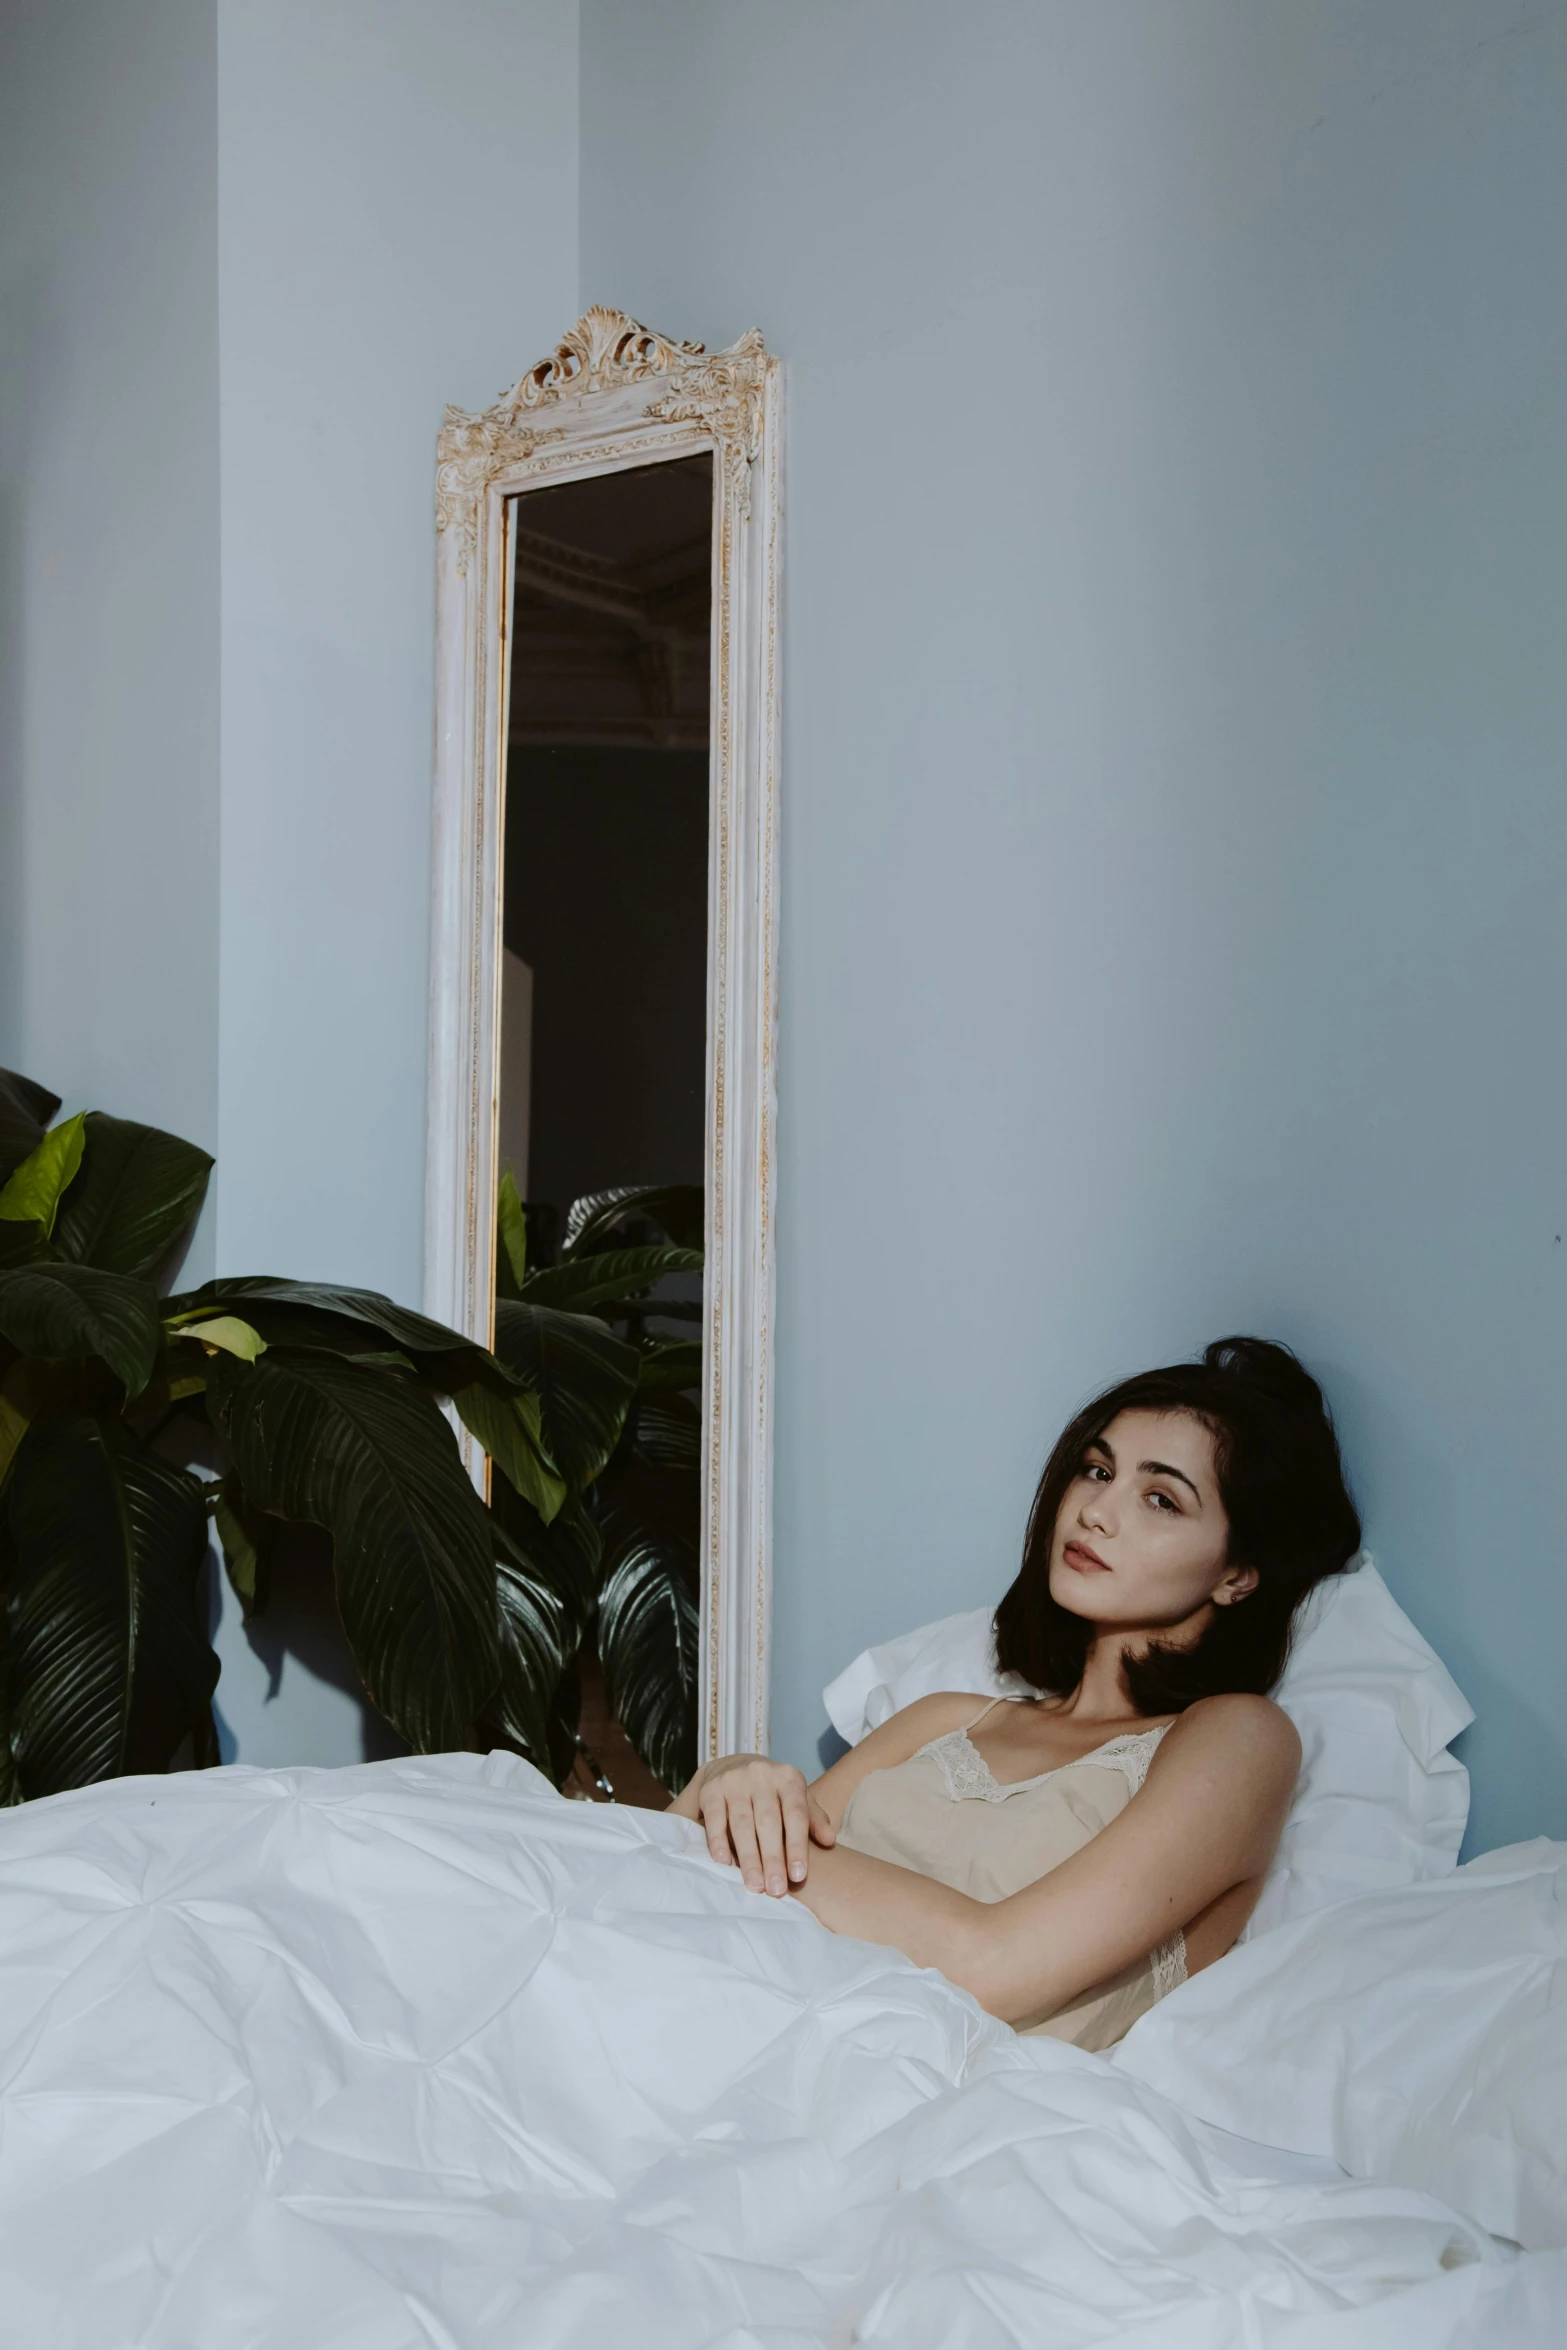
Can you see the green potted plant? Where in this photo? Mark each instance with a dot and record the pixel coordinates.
(322, 1405)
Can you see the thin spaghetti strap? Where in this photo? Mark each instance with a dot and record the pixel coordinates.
(979, 1717)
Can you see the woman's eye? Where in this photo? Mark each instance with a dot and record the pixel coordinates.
(1164, 1501)
(1096, 1470)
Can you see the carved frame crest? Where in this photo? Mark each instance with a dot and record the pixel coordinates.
(614, 394)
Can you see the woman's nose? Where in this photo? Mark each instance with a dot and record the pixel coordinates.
(1097, 1510)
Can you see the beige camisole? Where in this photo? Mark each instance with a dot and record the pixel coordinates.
(943, 1814)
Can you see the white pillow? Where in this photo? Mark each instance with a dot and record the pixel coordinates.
(1380, 1800)
(1418, 2036)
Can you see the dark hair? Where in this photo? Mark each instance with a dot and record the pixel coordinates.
(1291, 1518)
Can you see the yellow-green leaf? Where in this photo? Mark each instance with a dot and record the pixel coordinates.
(33, 1192)
(228, 1332)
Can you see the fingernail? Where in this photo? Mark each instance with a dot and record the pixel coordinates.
(797, 1872)
(775, 1884)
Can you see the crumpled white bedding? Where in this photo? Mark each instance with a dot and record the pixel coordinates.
(419, 2054)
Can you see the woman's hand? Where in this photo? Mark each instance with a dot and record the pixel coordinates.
(760, 1817)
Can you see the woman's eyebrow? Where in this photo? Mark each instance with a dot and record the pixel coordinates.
(1165, 1469)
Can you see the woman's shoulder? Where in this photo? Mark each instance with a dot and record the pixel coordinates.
(942, 1710)
(1241, 1726)
(896, 1741)
(914, 1725)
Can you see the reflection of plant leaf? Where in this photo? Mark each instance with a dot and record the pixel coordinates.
(669, 1431)
(373, 1460)
(583, 1375)
(511, 1268)
(566, 1554)
(676, 1209)
(25, 1112)
(109, 1666)
(139, 1192)
(31, 1192)
(648, 1639)
(579, 1284)
(508, 1428)
(674, 1362)
(75, 1313)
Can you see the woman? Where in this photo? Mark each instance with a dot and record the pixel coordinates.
(1070, 1857)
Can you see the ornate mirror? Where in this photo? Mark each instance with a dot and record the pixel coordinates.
(603, 989)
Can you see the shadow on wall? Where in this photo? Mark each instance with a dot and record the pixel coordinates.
(301, 1632)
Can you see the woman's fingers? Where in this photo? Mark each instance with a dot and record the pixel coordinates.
(768, 1814)
(742, 1835)
(796, 1832)
(759, 1816)
(715, 1820)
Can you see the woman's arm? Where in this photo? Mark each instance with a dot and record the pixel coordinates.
(1206, 1821)
(761, 1817)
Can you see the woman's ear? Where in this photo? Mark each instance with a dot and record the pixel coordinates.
(1235, 1583)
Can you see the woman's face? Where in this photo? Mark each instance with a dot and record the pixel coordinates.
(1141, 1536)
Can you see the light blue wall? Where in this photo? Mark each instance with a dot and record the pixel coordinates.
(109, 557)
(1176, 716)
(398, 230)
(398, 222)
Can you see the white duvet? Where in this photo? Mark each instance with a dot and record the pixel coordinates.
(421, 2054)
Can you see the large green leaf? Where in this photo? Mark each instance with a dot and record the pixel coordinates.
(370, 1457)
(566, 1555)
(25, 1389)
(583, 1375)
(77, 1314)
(22, 1244)
(539, 1636)
(319, 1313)
(25, 1112)
(649, 1644)
(579, 1284)
(109, 1666)
(597, 1221)
(31, 1193)
(139, 1192)
(249, 1540)
(508, 1428)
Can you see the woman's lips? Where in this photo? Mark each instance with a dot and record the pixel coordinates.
(1082, 1560)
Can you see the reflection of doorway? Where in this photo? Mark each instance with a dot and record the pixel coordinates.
(606, 910)
(603, 1045)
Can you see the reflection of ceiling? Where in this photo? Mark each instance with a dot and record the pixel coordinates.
(610, 616)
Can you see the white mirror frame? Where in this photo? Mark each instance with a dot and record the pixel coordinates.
(611, 395)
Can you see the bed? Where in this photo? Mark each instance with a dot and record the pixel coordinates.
(420, 2053)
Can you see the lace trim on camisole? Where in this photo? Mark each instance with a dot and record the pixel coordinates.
(967, 1775)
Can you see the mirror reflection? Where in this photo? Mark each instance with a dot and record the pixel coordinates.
(602, 1122)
